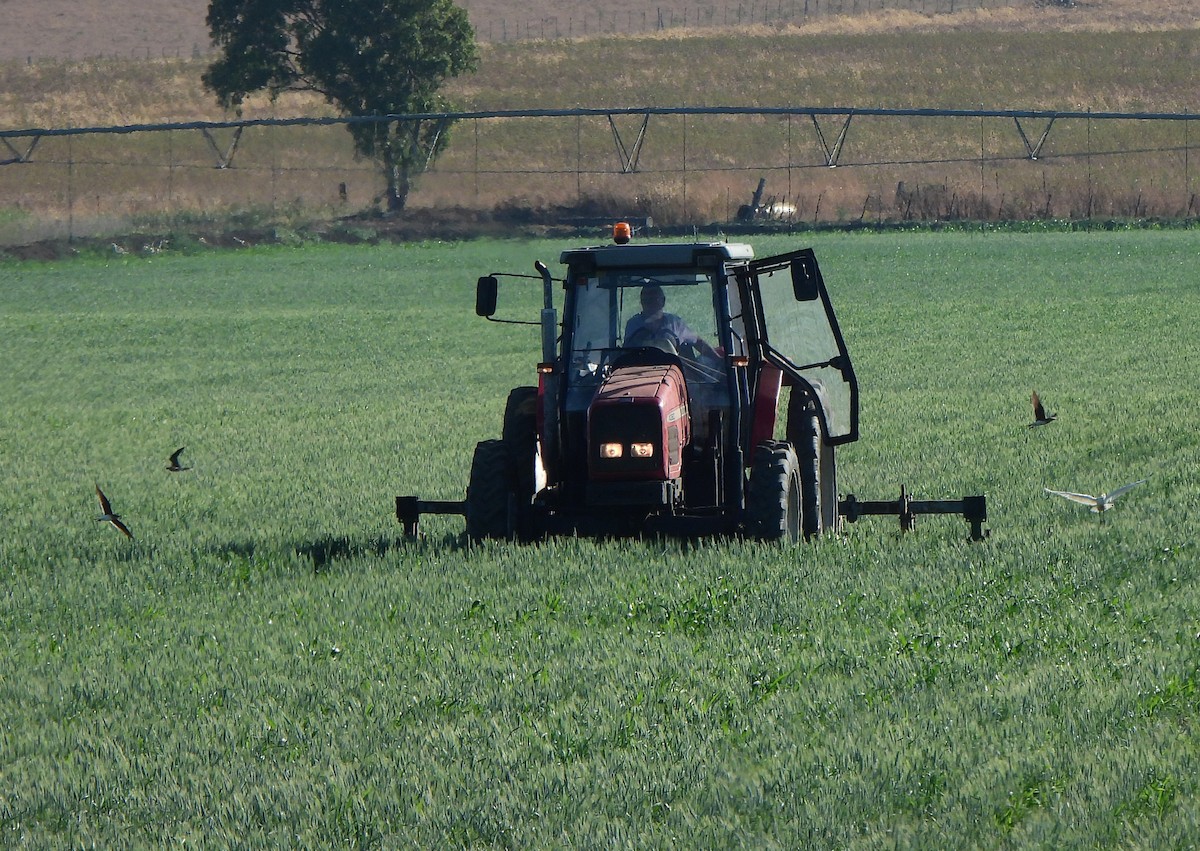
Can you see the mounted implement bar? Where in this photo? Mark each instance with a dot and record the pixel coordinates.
(409, 510)
(972, 508)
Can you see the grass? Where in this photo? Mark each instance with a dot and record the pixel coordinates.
(267, 663)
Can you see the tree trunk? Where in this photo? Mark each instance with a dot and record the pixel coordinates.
(398, 186)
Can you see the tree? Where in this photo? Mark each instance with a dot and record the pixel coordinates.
(365, 57)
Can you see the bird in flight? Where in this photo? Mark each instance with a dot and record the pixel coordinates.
(109, 515)
(174, 466)
(1040, 417)
(1097, 503)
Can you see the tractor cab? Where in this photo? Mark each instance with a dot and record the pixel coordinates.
(620, 316)
(687, 388)
(660, 391)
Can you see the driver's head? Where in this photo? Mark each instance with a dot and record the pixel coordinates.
(653, 298)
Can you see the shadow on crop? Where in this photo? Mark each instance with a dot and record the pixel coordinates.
(327, 550)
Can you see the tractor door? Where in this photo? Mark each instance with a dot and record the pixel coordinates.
(794, 329)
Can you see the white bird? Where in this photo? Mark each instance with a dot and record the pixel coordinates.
(1098, 503)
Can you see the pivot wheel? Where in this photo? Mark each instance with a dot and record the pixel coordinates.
(773, 501)
(490, 503)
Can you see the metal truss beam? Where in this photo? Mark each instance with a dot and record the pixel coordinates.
(442, 124)
(629, 156)
(224, 158)
(608, 111)
(1034, 151)
(18, 156)
(628, 153)
(832, 153)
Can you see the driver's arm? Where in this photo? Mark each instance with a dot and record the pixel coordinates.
(686, 335)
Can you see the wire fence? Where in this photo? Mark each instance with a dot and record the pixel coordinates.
(673, 166)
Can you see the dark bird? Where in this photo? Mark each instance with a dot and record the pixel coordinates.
(174, 466)
(1040, 417)
(109, 515)
(1097, 503)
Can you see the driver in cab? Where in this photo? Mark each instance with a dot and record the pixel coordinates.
(653, 324)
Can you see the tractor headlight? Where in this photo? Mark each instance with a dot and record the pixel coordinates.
(641, 450)
(611, 450)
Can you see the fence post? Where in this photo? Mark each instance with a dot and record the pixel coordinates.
(171, 176)
(685, 203)
(789, 158)
(1187, 180)
(274, 180)
(1089, 168)
(70, 189)
(982, 166)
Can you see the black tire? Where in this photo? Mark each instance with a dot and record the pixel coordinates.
(774, 508)
(489, 493)
(828, 511)
(520, 429)
(520, 437)
(818, 472)
(806, 438)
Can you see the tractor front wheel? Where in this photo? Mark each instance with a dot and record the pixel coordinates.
(490, 503)
(773, 503)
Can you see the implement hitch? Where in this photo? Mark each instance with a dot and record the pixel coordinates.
(972, 508)
(409, 510)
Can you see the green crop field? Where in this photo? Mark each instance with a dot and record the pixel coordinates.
(268, 664)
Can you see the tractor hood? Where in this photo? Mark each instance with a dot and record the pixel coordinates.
(638, 424)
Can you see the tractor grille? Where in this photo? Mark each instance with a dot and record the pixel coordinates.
(626, 425)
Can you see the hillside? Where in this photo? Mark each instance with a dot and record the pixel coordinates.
(1109, 55)
(82, 29)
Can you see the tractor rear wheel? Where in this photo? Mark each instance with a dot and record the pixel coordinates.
(774, 507)
(490, 508)
(818, 472)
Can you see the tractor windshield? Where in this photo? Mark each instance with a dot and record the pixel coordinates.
(616, 311)
(619, 311)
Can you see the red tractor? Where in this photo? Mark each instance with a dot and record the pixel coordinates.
(659, 400)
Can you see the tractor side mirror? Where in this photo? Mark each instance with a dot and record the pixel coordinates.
(485, 296)
(805, 277)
